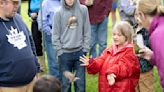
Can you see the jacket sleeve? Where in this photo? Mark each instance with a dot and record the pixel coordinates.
(157, 46)
(108, 6)
(43, 23)
(29, 10)
(96, 64)
(33, 49)
(56, 33)
(126, 66)
(34, 53)
(86, 30)
(30, 40)
(39, 20)
(127, 8)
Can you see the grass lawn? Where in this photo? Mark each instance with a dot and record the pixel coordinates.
(91, 80)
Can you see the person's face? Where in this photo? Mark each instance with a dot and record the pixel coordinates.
(69, 2)
(10, 8)
(142, 19)
(136, 16)
(118, 38)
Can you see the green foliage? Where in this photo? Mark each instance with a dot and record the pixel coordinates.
(136, 48)
(157, 81)
(24, 14)
(91, 83)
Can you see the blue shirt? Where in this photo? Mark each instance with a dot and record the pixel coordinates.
(49, 7)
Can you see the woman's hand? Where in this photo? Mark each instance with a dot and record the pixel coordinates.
(111, 79)
(145, 53)
(85, 60)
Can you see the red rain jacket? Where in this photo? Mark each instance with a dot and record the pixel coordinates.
(123, 63)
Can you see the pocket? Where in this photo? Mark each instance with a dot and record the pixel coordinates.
(59, 53)
(47, 38)
(71, 38)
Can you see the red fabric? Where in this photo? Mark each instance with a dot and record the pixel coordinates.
(98, 10)
(123, 63)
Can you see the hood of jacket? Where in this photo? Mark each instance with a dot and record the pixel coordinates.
(75, 5)
(4, 20)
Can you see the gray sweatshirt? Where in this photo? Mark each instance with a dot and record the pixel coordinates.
(71, 29)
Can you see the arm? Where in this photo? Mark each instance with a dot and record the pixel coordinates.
(94, 65)
(157, 46)
(33, 50)
(43, 22)
(30, 13)
(126, 66)
(30, 40)
(108, 6)
(29, 10)
(56, 28)
(127, 7)
(86, 31)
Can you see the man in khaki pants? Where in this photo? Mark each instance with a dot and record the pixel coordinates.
(18, 62)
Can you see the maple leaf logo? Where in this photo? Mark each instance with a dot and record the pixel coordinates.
(16, 38)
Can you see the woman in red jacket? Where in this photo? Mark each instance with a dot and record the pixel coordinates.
(118, 67)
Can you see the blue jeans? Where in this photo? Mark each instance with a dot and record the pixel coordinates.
(51, 56)
(70, 62)
(99, 36)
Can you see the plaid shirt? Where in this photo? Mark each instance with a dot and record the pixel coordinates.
(145, 66)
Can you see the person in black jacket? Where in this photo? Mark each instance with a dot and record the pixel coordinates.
(33, 9)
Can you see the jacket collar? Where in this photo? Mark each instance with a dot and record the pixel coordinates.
(113, 50)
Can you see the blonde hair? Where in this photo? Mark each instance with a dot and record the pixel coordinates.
(125, 29)
(150, 7)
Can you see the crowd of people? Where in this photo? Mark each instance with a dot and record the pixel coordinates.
(73, 36)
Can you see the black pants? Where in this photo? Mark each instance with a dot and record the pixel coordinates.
(37, 36)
